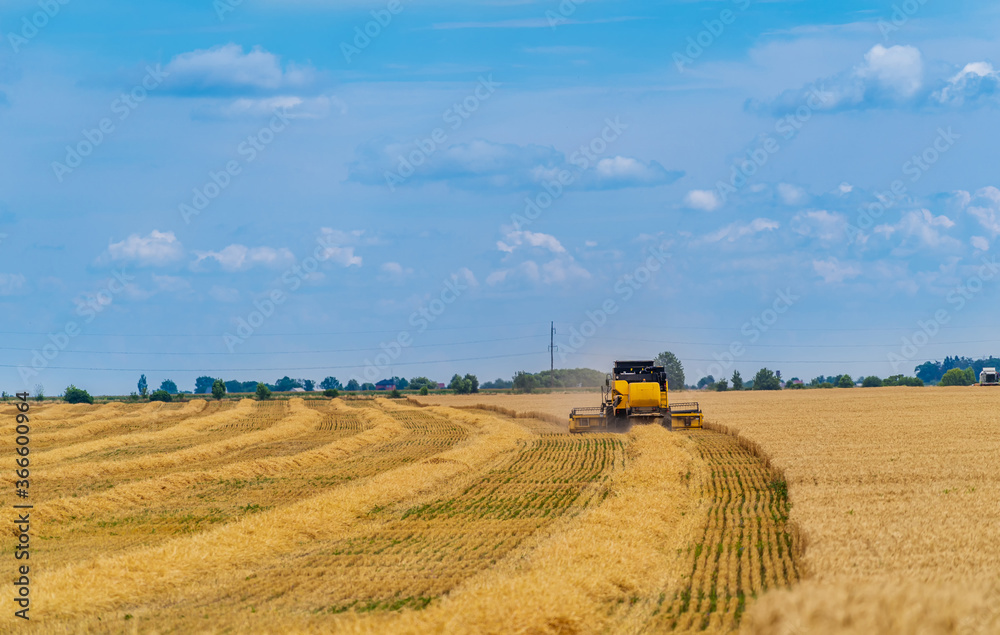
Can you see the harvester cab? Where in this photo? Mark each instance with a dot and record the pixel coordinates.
(989, 377)
(635, 392)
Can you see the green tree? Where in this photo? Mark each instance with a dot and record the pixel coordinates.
(524, 382)
(203, 384)
(333, 393)
(766, 380)
(570, 378)
(498, 384)
(845, 381)
(703, 382)
(423, 390)
(459, 385)
(722, 385)
(871, 382)
(419, 382)
(39, 392)
(308, 384)
(218, 389)
(161, 395)
(673, 368)
(353, 385)
(367, 386)
(957, 377)
(464, 385)
(285, 384)
(902, 380)
(330, 383)
(169, 386)
(737, 380)
(143, 387)
(395, 394)
(77, 395)
(263, 392)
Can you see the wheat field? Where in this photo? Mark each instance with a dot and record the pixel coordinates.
(865, 510)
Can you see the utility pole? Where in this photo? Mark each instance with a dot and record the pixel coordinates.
(552, 353)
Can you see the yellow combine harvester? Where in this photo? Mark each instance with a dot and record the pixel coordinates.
(635, 392)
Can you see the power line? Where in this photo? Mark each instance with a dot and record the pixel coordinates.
(282, 369)
(740, 360)
(341, 350)
(299, 334)
(672, 327)
(724, 344)
(667, 328)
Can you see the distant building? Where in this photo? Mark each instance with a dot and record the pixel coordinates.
(385, 384)
(297, 389)
(440, 386)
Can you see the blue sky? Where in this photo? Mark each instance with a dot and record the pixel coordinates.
(255, 190)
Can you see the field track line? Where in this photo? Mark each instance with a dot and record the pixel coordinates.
(63, 412)
(188, 565)
(298, 419)
(98, 420)
(97, 424)
(146, 491)
(745, 547)
(187, 416)
(576, 576)
(424, 548)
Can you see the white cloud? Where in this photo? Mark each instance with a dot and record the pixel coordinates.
(921, 226)
(465, 275)
(845, 188)
(11, 283)
(516, 239)
(395, 272)
(980, 243)
(989, 192)
(977, 80)
(627, 170)
(224, 294)
(735, 231)
(228, 68)
(822, 224)
(558, 268)
(291, 106)
(241, 257)
(791, 194)
(898, 69)
(832, 271)
(555, 271)
(497, 277)
(887, 77)
(481, 164)
(988, 212)
(890, 78)
(961, 199)
(156, 249)
(172, 284)
(705, 200)
(338, 246)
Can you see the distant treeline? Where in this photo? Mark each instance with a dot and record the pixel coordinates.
(932, 372)
(559, 378)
